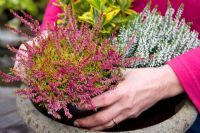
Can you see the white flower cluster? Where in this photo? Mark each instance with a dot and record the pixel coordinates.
(155, 38)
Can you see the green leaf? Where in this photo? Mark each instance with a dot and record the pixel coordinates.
(88, 17)
(124, 4)
(130, 12)
(81, 7)
(64, 1)
(29, 5)
(120, 20)
(110, 13)
(97, 4)
(111, 2)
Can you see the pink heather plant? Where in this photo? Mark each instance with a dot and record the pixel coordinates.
(69, 65)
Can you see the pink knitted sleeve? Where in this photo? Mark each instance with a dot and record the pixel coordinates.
(51, 15)
(186, 66)
(187, 69)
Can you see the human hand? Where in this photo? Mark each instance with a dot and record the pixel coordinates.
(22, 53)
(140, 90)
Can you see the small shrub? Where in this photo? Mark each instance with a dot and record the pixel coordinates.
(154, 39)
(69, 65)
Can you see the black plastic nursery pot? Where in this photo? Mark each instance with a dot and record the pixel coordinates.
(171, 115)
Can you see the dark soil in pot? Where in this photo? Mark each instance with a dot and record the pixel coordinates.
(158, 113)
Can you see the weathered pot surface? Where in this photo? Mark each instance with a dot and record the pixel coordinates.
(178, 123)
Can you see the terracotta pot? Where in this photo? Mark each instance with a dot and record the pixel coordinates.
(177, 123)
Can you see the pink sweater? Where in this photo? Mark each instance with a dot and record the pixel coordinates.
(186, 66)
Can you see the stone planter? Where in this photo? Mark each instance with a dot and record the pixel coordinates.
(178, 123)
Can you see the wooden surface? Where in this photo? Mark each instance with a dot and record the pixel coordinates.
(10, 121)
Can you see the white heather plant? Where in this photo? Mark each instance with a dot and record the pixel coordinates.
(155, 39)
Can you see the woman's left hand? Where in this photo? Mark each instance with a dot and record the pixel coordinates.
(140, 89)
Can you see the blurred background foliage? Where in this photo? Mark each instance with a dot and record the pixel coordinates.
(34, 7)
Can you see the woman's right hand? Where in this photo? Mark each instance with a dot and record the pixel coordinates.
(22, 54)
(140, 89)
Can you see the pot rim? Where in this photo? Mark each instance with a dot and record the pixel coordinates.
(39, 122)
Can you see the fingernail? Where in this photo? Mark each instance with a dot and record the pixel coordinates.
(76, 124)
(84, 107)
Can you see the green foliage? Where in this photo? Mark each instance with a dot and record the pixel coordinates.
(28, 5)
(33, 7)
(115, 12)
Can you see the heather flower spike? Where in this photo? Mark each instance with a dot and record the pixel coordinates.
(70, 65)
(157, 39)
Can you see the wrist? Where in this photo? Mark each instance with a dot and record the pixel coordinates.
(170, 85)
